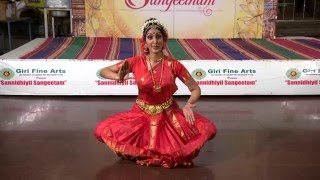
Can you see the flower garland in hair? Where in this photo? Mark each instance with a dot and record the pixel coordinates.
(153, 22)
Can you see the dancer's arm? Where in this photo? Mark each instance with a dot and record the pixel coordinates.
(191, 103)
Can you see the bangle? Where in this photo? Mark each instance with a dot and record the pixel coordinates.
(189, 102)
(118, 79)
(190, 105)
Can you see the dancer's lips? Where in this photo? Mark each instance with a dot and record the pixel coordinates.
(155, 46)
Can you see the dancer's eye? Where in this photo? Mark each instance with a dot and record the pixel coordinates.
(150, 37)
(158, 36)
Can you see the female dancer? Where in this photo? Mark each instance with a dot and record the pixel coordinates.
(156, 131)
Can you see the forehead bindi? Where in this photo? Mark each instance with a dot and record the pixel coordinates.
(153, 31)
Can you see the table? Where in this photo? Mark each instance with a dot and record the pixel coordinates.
(46, 10)
(15, 20)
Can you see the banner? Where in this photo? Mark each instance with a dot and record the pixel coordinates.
(68, 77)
(182, 18)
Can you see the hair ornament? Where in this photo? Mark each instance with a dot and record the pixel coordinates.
(152, 22)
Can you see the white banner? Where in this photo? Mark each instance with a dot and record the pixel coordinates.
(76, 77)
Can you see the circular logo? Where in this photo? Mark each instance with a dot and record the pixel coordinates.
(98, 74)
(6, 73)
(198, 74)
(293, 73)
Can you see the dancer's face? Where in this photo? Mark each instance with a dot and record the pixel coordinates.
(154, 41)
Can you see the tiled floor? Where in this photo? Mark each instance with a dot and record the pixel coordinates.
(259, 138)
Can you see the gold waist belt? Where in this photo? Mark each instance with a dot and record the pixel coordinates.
(154, 108)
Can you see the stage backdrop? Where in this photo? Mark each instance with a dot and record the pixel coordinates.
(183, 18)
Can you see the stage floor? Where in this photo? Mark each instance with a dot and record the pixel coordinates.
(259, 137)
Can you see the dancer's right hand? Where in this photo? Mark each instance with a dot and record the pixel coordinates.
(123, 71)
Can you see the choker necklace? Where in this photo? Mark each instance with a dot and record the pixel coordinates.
(157, 60)
(156, 87)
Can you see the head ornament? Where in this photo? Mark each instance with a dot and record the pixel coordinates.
(153, 23)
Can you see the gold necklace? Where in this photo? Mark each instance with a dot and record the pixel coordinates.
(156, 88)
(158, 60)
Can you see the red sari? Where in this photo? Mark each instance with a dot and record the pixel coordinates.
(155, 131)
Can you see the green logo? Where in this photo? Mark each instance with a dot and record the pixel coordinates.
(7, 73)
(199, 74)
(293, 73)
(98, 74)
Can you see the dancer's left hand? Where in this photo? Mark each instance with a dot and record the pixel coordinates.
(188, 113)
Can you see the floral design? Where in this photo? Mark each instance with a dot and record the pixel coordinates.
(258, 19)
(251, 23)
(92, 14)
(269, 18)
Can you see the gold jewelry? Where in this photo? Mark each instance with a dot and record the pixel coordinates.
(157, 60)
(154, 108)
(156, 87)
(154, 23)
(145, 49)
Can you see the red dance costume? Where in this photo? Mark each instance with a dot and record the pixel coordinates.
(155, 132)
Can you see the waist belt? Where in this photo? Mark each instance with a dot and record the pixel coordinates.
(154, 108)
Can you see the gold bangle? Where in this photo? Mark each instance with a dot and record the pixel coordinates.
(118, 79)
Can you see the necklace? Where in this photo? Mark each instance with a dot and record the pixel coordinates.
(157, 60)
(156, 87)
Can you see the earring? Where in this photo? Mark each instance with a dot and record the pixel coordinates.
(146, 50)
